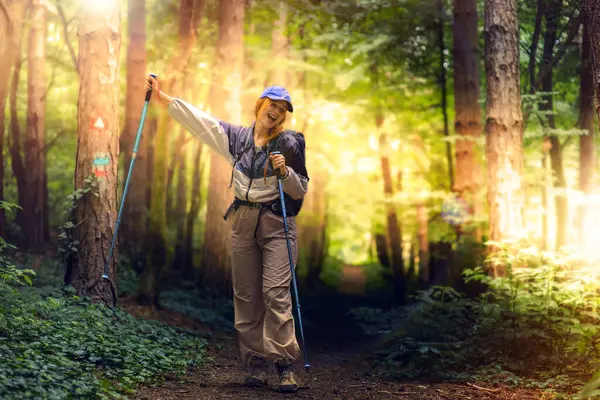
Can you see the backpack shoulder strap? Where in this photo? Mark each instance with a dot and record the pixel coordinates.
(247, 146)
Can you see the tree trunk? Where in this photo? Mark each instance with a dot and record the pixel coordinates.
(157, 250)
(195, 202)
(152, 127)
(393, 228)
(15, 128)
(552, 14)
(133, 227)
(225, 104)
(314, 224)
(466, 105)
(504, 122)
(10, 53)
(444, 96)
(156, 235)
(187, 35)
(97, 153)
(586, 142)
(279, 48)
(381, 249)
(181, 258)
(35, 156)
(423, 242)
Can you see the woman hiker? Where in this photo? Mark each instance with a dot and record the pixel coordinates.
(261, 272)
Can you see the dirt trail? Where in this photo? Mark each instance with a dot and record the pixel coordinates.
(340, 368)
(354, 280)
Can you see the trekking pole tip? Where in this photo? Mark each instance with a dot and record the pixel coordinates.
(105, 276)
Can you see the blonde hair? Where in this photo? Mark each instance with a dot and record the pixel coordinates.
(260, 106)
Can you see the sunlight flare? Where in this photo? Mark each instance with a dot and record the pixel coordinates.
(98, 5)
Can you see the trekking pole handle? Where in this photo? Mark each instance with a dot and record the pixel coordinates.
(149, 92)
(277, 171)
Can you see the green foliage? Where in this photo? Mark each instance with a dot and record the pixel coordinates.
(56, 345)
(540, 318)
(10, 275)
(212, 309)
(61, 345)
(331, 275)
(68, 246)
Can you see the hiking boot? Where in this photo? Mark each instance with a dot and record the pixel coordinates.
(257, 373)
(287, 381)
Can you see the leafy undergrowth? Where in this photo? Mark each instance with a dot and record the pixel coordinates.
(55, 345)
(211, 309)
(537, 326)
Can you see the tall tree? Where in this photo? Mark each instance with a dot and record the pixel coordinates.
(586, 122)
(35, 218)
(10, 51)
(279, 48)
(197, 173)
(97, 150)
(187, 35)
(225, 104)
(552, 14)
(423, 242)
(504, 122)
(195, 202)
(444, 88)
(16, 156)
(393, 227)
(134, 224)
(156, 242)
(466, 103)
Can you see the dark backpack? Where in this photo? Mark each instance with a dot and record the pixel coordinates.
(293, 147)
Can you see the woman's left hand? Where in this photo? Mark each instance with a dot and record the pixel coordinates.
(278, 161)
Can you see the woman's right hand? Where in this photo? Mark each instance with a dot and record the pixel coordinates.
(152, 83)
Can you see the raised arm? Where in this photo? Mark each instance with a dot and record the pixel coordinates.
(204, 126)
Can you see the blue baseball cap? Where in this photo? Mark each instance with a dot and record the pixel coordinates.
(278, 93)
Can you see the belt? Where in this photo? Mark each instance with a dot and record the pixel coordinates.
(238, 202)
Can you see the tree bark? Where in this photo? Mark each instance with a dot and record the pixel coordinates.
(504, 122)
(133, 227)
(15, 128)
(156, 242)
(466, 105)
(225, 104)
(279, 49)
(533, 49)
(182, 259)
(11, 54)
(97, 153)
(152, 127)
(195, 202)
(393, 227)
(423, 243)
(552, 14)
(444, 96)
(35, 156)
(314, 226)
(586, 142)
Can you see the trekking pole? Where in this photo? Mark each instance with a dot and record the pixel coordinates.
(289, 247)
(135, 149)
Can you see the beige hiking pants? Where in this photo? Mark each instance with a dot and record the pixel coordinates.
(261, 284)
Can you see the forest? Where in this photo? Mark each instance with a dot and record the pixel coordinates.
(446, 242)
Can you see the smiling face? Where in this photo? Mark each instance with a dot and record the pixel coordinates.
(271, 114)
